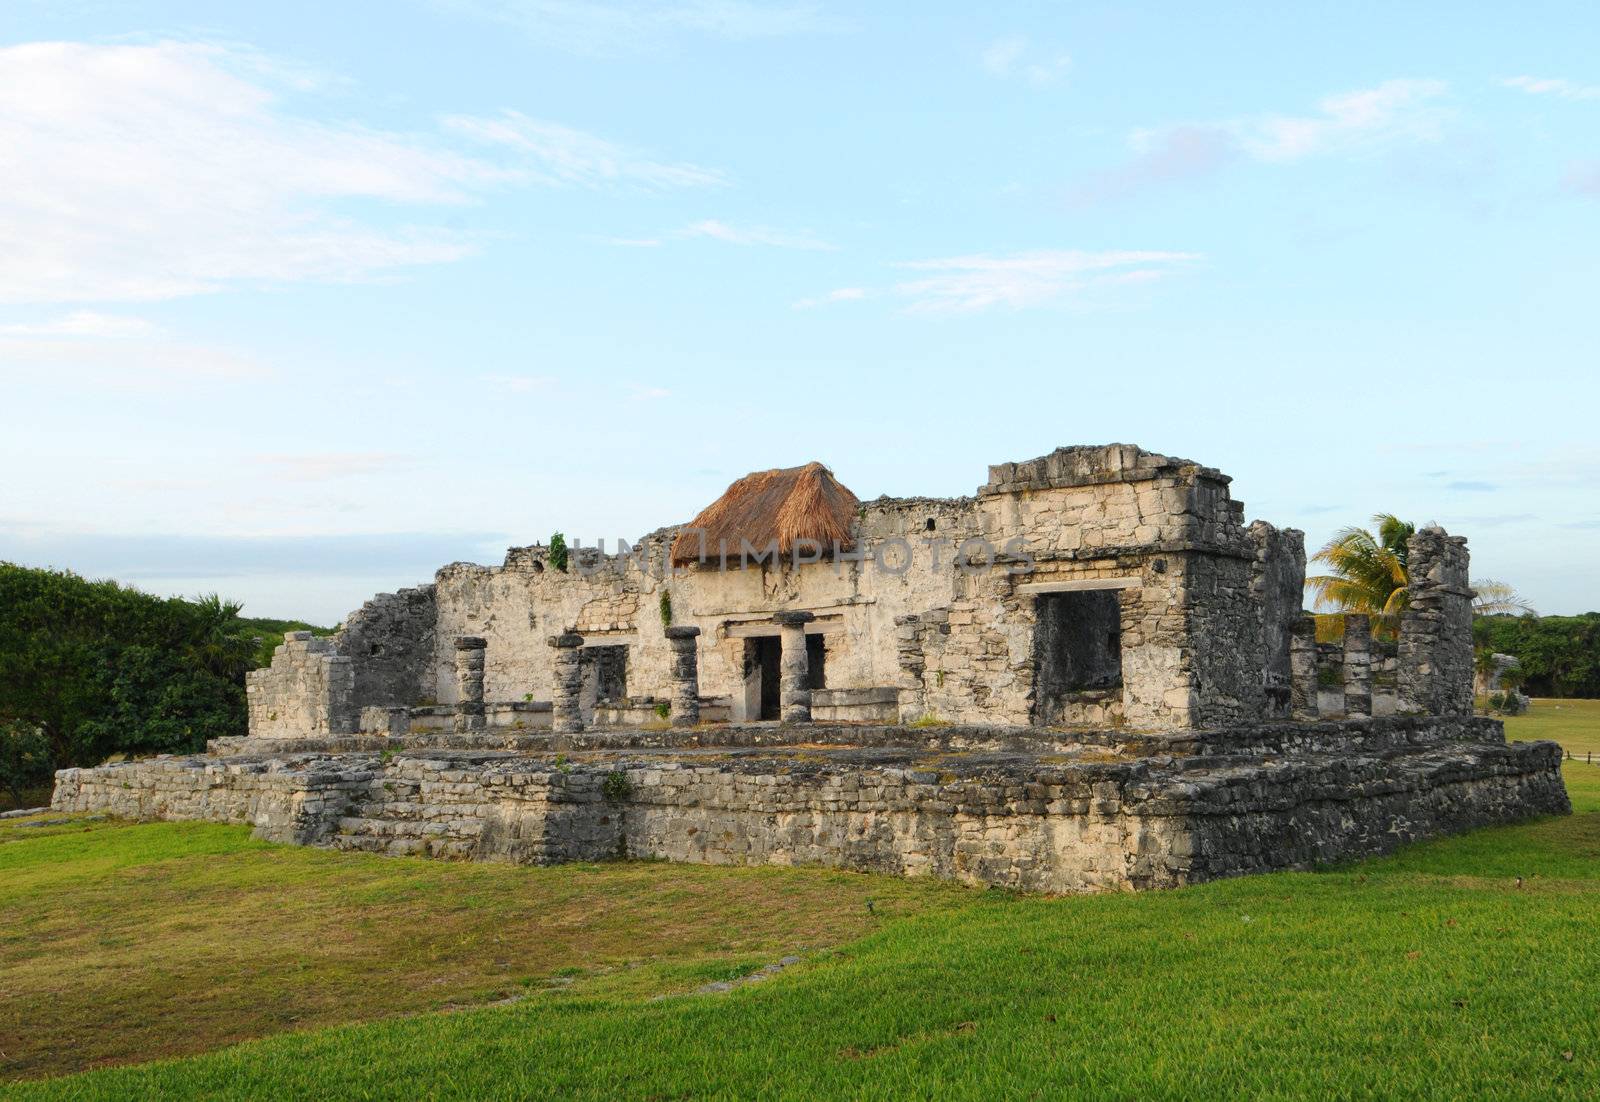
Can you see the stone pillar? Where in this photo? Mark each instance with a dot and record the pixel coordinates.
(794, 695)
(1436, 666)
(566, 711)
(1303, 669)
(469, 682)
(1357, 665)
(908, 643)
(685, 675)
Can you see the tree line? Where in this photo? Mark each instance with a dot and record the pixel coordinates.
(93, 669)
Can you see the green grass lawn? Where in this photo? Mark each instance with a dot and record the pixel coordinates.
(1429, 973)
(1575, 724)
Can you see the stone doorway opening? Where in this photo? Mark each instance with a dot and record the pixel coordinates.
(763, 657)
(1077, 651)
(605, 677)
(816, 662)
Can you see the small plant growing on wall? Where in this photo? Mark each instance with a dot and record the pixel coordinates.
(616, 788)
(558, 552)
(666, 609)
(663, 710)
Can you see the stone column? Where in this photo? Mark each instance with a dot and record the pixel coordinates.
(1436, 666)
(794, 695)
(469, 682)
(566, 711)
(1357, 665)
(685, 675)
(1303, 668)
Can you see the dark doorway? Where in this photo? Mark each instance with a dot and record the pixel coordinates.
(1077, 647)
(610, 671)
(767, 652)
(816, 662)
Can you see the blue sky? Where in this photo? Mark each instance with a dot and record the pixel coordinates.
(299, 301)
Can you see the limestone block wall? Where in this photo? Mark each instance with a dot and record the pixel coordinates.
(1277, 586)
(1435, 651)
(308, 690)
(283, 799)
(1319, 793)
(390, 641)
(1203, 604)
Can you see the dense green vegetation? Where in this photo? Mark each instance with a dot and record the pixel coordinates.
(1430, 973)
(1560, 655)
(93, 668)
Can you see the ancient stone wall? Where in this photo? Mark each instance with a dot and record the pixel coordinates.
(1322, 792)
(1277, 586)
(1435, 651)
(390, 640)
(308, 690)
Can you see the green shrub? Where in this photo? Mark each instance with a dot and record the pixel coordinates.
(666, 609)
(616, 788)
(558, 552)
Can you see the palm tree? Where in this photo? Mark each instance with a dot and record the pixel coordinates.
(1367, 573)
(1492, 598)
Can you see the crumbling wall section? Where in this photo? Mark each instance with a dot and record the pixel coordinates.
(1435, 650)
(390, 641)
(1277, 586)
(309, 689)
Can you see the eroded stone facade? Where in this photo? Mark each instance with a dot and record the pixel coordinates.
(1089, 675)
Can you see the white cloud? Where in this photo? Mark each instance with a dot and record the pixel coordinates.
(561, 155)
(615, 27)
(648, 393)
(83, 323)
(118, 363)
(1014, 57)
(1564, 89)
(753, 235)
(842, 294)
(963, 284)
(141, 172)
(1394, 110)
(635, 242)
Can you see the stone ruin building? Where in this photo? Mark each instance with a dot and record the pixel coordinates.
(1092, 674)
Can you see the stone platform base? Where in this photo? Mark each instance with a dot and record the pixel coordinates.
(1020, 808)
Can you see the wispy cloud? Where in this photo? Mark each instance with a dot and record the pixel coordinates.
(1471, 486)
(142, 172)
(115, 362)
(1394, 112)
(842, 294)
(83, 323)
(611, 27)
(1013, 56)
(1562, 89)
(753, 235)
(963, 284)
(640, 393)
(560, 155)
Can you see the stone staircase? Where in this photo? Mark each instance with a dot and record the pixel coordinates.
(403, 813)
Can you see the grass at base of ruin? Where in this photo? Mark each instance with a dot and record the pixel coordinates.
(126, 942)
(1575, 724)
(1428, 973)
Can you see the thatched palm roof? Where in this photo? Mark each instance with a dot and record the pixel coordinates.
(783, 505)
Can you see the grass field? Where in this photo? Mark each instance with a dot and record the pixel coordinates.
(1429, 973)
(1575, 724)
